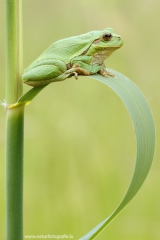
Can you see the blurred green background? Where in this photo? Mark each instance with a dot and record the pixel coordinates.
(79, 140)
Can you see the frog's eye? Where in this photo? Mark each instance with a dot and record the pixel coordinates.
(107, 36)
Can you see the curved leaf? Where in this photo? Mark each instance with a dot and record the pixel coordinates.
(145, 137)
(28, 96)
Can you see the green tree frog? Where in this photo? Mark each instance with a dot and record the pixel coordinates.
(73, 56)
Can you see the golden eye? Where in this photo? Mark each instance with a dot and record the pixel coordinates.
(107, 37)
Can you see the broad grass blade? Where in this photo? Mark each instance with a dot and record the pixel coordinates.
(145, 137)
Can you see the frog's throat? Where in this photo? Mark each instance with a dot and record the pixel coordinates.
(99, 57)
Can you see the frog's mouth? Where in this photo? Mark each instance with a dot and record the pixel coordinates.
(108, 50)
(111, 48)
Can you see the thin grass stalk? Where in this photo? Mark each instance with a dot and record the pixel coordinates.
(14, 123)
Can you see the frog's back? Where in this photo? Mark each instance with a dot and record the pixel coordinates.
(68, 48)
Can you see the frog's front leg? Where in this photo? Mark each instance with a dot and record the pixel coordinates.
(106, 73)
(81, 65)
(87, 66)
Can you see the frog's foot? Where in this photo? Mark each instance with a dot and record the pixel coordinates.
(75, 75)
(79, 71)
(105, 73)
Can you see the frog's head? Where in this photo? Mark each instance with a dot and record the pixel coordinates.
(107, 42)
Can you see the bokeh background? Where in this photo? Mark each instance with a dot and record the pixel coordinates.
(79, 151)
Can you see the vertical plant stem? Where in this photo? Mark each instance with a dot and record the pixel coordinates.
(14, 173)
(14, 123)
(14, 50)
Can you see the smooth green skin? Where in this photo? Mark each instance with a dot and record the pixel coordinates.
(77, 55)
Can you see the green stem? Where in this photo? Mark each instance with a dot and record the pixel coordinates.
(14, 123)
(14, 173)
(14, 50)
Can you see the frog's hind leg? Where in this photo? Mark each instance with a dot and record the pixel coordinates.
(76, 70)
(44, 72)
(79, 70)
